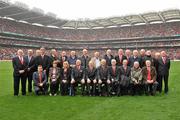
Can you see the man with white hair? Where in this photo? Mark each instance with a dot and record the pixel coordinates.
(120, 57)
(163, 70)
(31, 68)
(20, 66)
(108, 57)
(134, 57)
(113, 76)
(149, 78)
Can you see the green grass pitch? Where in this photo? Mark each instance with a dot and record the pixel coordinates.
(30, 107)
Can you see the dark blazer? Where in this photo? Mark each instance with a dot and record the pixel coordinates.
(102, 74)
(108, 60)
(45, 62)
(31, 64)
(118, 62)
(57, 74)
(91, 74)
(132, 60)
(85, 61)
(112, 75)
(145, 73)
(52, 59)
(126, 73)
(36, 78)
(163, 69)
(149, 58)
(18, 66)
(78, 74)
(65, 76)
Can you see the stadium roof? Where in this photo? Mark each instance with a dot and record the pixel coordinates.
(21, 12)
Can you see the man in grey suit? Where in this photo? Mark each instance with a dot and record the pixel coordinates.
(40, 81)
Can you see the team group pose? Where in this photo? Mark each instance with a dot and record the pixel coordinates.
(128, 73)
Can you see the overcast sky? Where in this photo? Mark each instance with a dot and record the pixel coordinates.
(92, 9)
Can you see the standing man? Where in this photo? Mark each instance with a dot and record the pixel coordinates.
(85, 59)
(31, 68)
(72, 59)
(43, 60)
(108, 57)
(20, 72)
(120, 57)
(163, 70)
(134, 58)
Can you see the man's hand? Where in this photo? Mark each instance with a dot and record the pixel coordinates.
(88, 80)
(94, 81)
(40, 84)
(100, 81)
(72, 81)
(21, 71)
(108, 81)
(64, 81)
(82, 81)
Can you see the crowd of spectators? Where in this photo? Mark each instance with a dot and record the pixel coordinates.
(151, 30)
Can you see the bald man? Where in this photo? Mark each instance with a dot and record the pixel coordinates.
(20, 66)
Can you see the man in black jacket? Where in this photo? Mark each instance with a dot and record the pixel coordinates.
(108, 57)
(163, 71)
(120, 57)
(20, 72)
(43, 60)
(85, 59)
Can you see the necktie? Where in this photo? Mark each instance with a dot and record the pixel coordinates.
(21, 59)
(40, 77)
(164, 60)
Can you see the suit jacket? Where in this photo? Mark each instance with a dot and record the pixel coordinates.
(118, 62)
(36, 78)
(108, 60)
(17, 65)
(132, 60)
(31, 64)
(52, 59)
(85, 61)
(57, 74)
(125, 73)
(113, 75)
(102, 74)
(145, 73)
(65, 75)
(163, 69)
(78, 74)
(45, 62)
(91, 74)
(63, 60)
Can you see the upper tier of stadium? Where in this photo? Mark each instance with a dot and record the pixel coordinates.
(20, 12)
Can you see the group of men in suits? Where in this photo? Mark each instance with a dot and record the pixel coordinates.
(125, 73)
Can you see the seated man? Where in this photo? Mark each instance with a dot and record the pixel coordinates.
(136, 79)
(125, 76)
(113, 77)
(91, 76)
(40, 81)
(102, 74)
(149, 78)
(54, 74)
(77, 76)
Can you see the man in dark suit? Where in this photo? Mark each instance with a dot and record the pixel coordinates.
(31, 68)
(63, 58)
(78, 77)
(113, 76)
(125, 76)
(120, 57)
(20, 72)
(134, 58)
(43, 60)
(163, 71)
(85, 59)
(54, 57)
(102, 75)
(108, 57)
(128, 56)
(40, 81)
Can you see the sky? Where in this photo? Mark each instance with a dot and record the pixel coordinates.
(95, 9)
